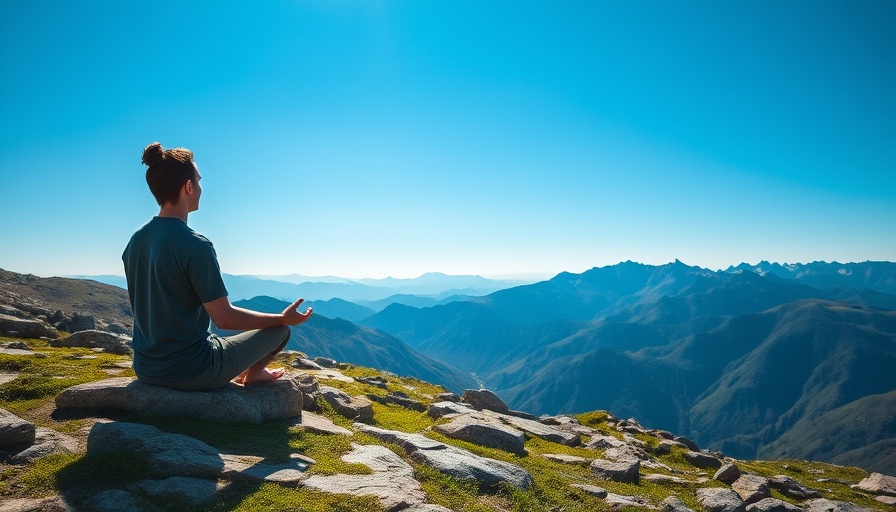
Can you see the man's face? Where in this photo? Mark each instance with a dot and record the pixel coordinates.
(197, 190)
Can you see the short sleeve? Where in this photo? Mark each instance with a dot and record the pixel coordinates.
(205, 274)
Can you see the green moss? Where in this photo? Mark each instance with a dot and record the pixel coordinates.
(269, 497)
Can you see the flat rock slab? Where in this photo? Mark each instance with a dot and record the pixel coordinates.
(661, 479)
(453, 461)
(20, 352)
(444, 408)
(329, 373)
(170, 455)
(826, 505)
(318, 424)
(281, 399)
(598, 492)
(392, 480)
(567, 459)
(7, 377)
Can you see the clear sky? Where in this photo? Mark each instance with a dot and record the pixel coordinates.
(373, 138)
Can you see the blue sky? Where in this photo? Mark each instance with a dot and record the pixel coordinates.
(366, 139)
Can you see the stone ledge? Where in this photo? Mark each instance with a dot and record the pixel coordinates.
(280, 399)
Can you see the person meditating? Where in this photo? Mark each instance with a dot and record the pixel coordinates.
(175, 287)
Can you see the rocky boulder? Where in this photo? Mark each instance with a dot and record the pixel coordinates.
(326, 362)
(356, 408)
(77, 322)
(485, 399)
(878, 483)
(14, 431)
(280, 399)
(728, 473)
(792, 489)
(702, 460)
(751, 488)
(772, 505)
(716, 499)
(673, 504)
(484, 431)
(105, 341)
(627, 471)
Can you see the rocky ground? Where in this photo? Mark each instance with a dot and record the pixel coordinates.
(77, 432)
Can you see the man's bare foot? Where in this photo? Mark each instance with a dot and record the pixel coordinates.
(262, 376)
(241, 378)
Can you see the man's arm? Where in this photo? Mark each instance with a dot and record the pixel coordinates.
(227, 316)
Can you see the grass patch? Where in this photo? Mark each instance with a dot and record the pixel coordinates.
(396, 417)
(31, 387)
(835, 480)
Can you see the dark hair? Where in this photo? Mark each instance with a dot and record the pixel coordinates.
(168, 170)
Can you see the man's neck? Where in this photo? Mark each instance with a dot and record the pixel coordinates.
(177, 211)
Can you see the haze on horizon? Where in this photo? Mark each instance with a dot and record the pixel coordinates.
(469, 138)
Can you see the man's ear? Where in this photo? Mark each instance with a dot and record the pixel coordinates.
(189, 185)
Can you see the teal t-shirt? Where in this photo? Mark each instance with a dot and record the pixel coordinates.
(171, 272)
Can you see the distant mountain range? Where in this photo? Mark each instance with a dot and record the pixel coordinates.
(427, 290)
(738, 359)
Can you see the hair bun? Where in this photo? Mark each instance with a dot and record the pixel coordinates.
(153, 154)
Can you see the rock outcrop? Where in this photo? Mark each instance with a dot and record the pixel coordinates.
(25, 327)
(451, 460)
(100, 340)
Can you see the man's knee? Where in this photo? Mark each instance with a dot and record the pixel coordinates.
(281, 332)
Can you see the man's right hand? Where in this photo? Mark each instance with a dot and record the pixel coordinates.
(291, 315)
